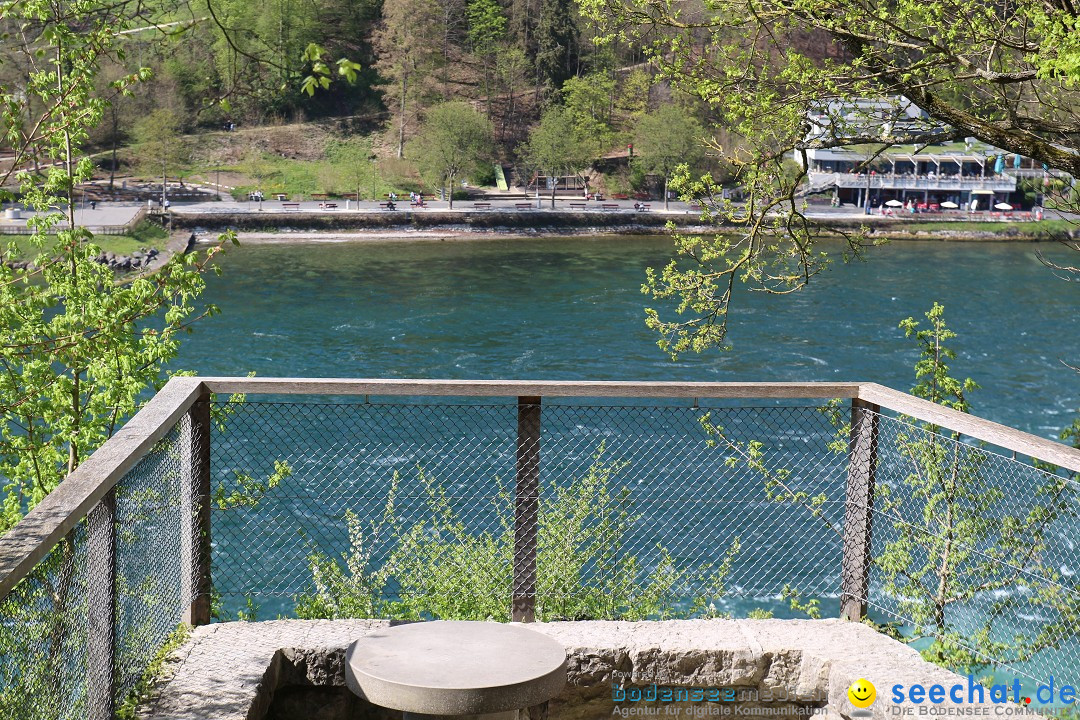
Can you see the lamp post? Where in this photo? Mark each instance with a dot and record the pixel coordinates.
(372, 158)
(164, 199)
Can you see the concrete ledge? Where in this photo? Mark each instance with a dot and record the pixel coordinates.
(231, 671)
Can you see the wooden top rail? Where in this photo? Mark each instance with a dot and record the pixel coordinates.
(994, 433)
(37, 533)
(515, 388)
(44, 526)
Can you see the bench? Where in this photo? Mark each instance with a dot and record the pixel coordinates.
(577, 206)
(385, 206)
(418, 203)
(328, 206)
(481, 206)
(620, 196)
(524, 206)
(605, 206)
(319, 196)
(644, 208)
(695, 207)
(290, 207)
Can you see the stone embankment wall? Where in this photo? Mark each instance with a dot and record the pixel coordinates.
(431, 219)
(570, 222)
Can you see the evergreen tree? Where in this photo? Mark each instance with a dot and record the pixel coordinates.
(556, 43)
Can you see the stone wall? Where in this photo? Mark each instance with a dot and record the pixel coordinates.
(533, 220)
(788, 669)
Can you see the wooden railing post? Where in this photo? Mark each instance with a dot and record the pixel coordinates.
(526, 509)
(195, 511)
(859, 509)
(101, 608)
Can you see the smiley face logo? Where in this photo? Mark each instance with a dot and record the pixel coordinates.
(862, 693)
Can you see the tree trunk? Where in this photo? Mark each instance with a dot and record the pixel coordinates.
(450, 195)
(112, 166)
(401, 123)
(665, 192)
(554, 184)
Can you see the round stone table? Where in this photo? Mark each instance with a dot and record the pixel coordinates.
(455, 669)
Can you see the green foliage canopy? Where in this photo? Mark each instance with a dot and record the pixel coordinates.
(666, 139)
(1006, 75)
(557, 146)
(455, 139)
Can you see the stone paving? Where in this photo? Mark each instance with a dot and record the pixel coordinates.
(229, 671)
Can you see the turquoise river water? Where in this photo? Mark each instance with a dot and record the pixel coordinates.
(572, 309)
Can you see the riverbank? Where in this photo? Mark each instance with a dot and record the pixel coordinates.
(276, 227)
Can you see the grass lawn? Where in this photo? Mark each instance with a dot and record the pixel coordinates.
(146, 235)
(1027, 228)
(299, 178)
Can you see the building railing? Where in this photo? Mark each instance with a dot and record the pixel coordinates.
(533, 500)
(1003, 183)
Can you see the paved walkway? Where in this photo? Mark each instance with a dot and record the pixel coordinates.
(106, 214)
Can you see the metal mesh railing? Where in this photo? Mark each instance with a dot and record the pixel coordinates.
(77, 634)
(153, 581)
(43, 637)
(976, 548)
(416, 510)
(639, 508)
(555, 510)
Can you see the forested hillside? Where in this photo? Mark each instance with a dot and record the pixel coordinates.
(243, 63)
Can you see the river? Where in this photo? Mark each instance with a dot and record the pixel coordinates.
(572, 309)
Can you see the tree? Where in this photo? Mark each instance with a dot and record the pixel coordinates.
(954, 554)
(1007, 76)
(407, 43)
(556, 147)
(161, 148)
(454, 141)
(556, 43)
(78, 349)
(666, 139)
(511, 73)
(352, 160)
(588, 100)
(487, 30)
(633, 98)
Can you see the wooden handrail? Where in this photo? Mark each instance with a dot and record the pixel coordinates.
(541, 388)
(988, 431)
(55, 516)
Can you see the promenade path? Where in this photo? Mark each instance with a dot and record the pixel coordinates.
(107, 214)
(112, 214)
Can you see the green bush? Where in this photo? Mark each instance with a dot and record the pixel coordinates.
(439, 568)
(484, 175)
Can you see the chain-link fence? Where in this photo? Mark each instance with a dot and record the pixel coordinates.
(977, 549)
(562, 509)
(77, 634)
(635, 511)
